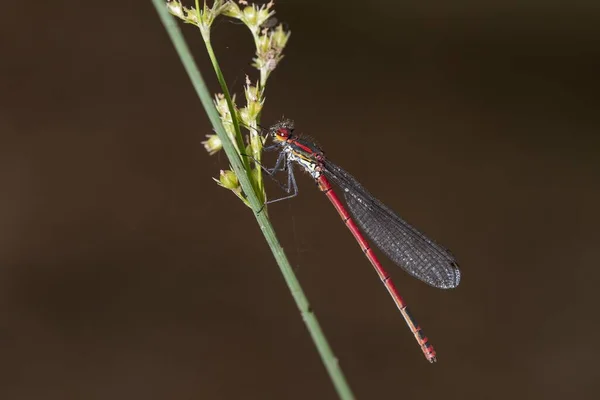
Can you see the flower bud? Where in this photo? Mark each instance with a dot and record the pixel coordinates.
(229, 180)
(222, 106)
(212, 144)
(175, 8)
(233, 10)
(280, 37)
(191, 15)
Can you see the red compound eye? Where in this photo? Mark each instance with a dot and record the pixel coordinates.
(283, 132)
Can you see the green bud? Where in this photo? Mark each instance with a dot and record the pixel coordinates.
(249, 15)
(255, 108)
(222, 107)
(229, 180)
(175, 8)
(233, 10)
(191, 15)
(245, 116)
(252, 93)
(263, 44)
(254, 16)
(212, 144)
(203, 18)
(280, 37)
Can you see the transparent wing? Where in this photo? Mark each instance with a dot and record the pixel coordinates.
(418, 255)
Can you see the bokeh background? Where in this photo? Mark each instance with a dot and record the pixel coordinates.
(126, 273)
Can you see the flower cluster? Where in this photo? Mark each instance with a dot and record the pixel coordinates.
(202, 18)
(270, 40)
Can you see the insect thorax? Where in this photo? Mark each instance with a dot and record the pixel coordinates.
(310, 166)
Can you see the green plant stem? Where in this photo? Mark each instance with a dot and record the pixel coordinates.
(329, 360)
(236, 125)
(258, 187)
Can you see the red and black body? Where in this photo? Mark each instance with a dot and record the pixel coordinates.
(405, 245)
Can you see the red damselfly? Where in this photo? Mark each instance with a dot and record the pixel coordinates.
(418, 255)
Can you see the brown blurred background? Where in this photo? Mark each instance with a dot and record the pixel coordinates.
(126, 273)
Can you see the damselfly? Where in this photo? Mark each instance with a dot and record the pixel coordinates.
(418, 255)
